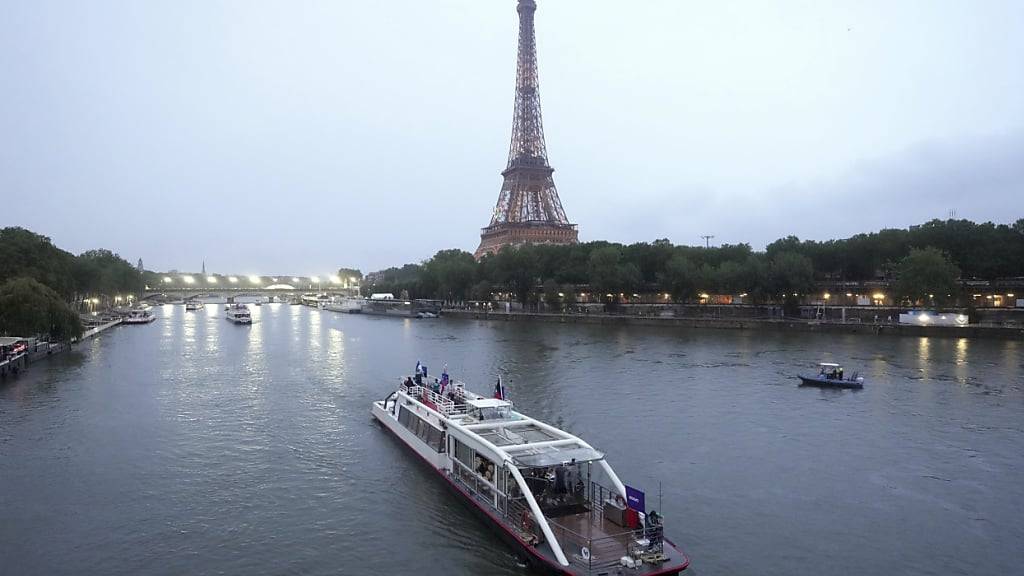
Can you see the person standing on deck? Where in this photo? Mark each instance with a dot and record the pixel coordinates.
(444, 378)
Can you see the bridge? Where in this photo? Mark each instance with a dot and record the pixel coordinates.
(192, 285)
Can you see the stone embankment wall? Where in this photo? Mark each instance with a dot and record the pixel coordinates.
(739, 323)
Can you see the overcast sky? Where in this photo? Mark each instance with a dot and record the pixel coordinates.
(297, 137)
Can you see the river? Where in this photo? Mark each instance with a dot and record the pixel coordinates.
(194, 446)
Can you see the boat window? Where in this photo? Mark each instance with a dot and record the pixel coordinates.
(494, 413)
(422, 429)
(403, 416)
(464, 453)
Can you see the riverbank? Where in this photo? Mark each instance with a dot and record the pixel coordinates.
(41, 350)
(783, 324)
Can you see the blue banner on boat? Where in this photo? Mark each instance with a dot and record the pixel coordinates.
(635, 499)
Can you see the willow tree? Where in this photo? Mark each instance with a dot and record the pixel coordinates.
(29, 308)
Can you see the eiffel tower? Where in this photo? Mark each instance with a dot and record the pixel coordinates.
(528, 208)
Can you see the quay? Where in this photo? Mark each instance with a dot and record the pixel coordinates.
(16, 353)
(774, 324)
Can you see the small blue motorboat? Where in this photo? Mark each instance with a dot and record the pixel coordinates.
(830, 375)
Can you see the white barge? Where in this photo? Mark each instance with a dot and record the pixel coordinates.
(238, 314)
(13, 355)
(138, 316)
(546, 492)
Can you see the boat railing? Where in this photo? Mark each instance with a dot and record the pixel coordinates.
(521, 520)
(440, 402)
(590, 553)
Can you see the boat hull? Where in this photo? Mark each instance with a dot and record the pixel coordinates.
(526, 551)
(826, 383)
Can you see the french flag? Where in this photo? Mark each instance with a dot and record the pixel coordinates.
(499, 390)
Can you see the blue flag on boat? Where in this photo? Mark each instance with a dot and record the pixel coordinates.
(635, 499)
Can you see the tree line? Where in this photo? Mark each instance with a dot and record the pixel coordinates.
(925, 261)
(40, 283)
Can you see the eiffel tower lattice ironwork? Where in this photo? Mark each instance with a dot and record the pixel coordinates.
(528, 208)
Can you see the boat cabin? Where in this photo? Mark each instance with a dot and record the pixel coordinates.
(489, 409)
(830, 371)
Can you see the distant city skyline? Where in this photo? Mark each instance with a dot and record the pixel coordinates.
(296, 139)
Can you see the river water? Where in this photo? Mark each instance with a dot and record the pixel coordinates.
(194, 446)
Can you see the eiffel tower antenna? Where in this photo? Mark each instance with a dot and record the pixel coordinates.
(528, 209)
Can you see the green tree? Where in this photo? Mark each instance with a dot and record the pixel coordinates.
(449, 275)
(29, 308)
(397, 280)
(569, 300)
(102, 272)
(789, 273)
(482, 291)
(603, 270)
(25, 254)
(516, 268)
(925, 272)
(731, 278)
(754, 280)
(630, 278)
(552, 301)
(679, 278)
(350, 275)
(707, 279)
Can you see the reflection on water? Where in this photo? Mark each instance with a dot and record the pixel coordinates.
(336, 352)
(314, 336)
(206, 447)
(212, 327)
(924, 350)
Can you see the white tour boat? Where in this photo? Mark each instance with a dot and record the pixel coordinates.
(315, 300)
(193, 305)
(138, 316)
(238, 313)
(546, 492)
